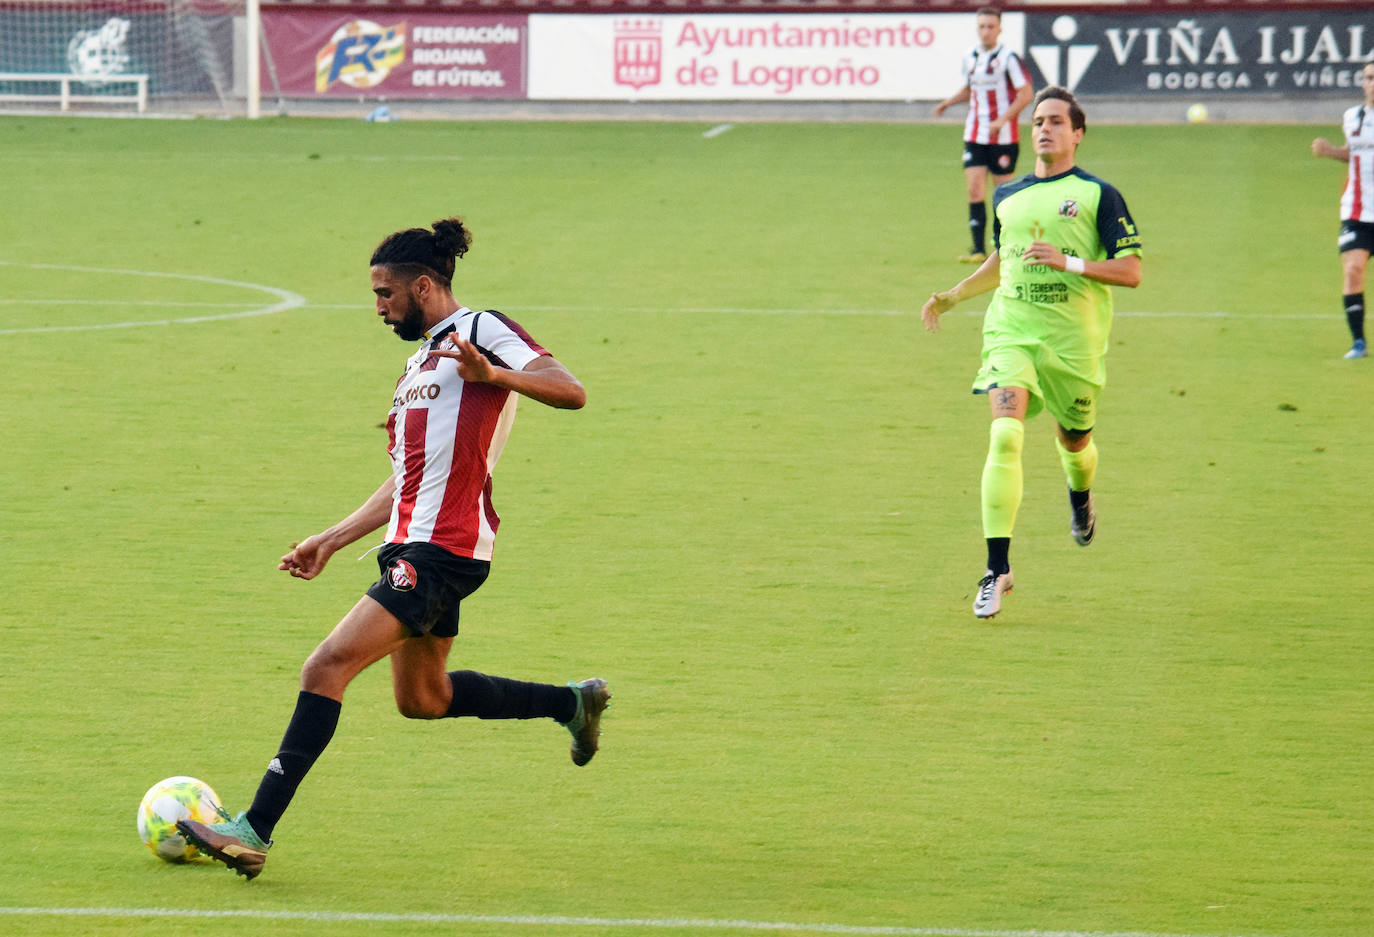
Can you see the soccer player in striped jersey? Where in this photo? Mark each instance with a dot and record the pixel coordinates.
(450, 416)
(997, 87)
(1063, 237)
(1356, 240)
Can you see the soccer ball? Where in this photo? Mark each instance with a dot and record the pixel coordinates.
(178, 798)
(1197, 114)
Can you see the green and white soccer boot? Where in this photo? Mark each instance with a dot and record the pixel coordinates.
(593, 697)
(233, 842)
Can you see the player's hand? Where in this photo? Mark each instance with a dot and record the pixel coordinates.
(1322, 147)
(1042, 252)
(935, 307)
(306, 558)
(472, 364)
(940, 108)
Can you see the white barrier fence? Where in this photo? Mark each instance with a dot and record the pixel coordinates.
(66, 96)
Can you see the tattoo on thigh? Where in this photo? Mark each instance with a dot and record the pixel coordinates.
(1004, 399)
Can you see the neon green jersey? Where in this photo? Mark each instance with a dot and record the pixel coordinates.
(1083, 217)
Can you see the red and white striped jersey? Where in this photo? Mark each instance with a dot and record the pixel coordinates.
(445, 435)
(1357, 201)
(993, 77)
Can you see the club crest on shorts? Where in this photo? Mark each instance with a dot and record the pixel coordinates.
(1004, 162)
(1069, 209)
(401, 576)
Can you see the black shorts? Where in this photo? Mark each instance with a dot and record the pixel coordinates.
(1356, 236)
(422, 585)
(999, 158)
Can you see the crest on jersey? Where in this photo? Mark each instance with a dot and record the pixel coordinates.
(1068, 209)
(401, 576)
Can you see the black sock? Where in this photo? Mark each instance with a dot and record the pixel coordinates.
(307, 735)
(1078, 498)
(977, 224)
(1354, 314)
(998, 561)
(477, 694)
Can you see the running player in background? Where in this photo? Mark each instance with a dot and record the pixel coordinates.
(997, 87)
(450, 417)
(1356, 240)
(1062, 238)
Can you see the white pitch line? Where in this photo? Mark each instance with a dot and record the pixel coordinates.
(177, 304)
(341, 917)
(285, 299)
(761, 311)
(717, 130)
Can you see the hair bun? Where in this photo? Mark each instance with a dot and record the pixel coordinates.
(451, 237)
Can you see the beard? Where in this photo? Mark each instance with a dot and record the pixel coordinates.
(411, 328)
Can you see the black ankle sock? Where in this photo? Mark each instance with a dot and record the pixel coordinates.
(998, 561)
(1354, 314)
(486, 697)
(1078, 498)
(307, 735)
(978, 223)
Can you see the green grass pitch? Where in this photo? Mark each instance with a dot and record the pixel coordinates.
(763, 531)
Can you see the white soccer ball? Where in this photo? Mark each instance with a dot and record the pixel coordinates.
(170, 800)
(1197, 114)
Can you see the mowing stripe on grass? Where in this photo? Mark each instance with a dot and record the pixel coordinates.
(344, 917)
(285, 299)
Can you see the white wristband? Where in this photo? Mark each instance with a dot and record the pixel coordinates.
(1073, 265)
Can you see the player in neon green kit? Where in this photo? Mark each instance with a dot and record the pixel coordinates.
(1063, 238)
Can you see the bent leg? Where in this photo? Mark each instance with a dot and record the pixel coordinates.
(1078, 456)
(425, 691)
(418, 677)
(365, 634)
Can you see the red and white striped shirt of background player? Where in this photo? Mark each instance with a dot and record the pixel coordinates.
(1357, 201)
(445, 436)
(993, 77)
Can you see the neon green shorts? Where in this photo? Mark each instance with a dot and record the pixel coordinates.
(1068, 389)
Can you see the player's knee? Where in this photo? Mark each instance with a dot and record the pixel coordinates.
(1005, 436)
(1075, 440)
(317, 672)
(413, 708)
(413, 703)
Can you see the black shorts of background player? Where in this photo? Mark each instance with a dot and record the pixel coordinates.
(999, 159)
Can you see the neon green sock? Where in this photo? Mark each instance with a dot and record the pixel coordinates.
(1080, 467)
(1002, 476)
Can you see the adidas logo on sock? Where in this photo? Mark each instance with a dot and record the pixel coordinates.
(275, 767)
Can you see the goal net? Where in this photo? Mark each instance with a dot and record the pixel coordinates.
(177, 56)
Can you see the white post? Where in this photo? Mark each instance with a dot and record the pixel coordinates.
(252, 65)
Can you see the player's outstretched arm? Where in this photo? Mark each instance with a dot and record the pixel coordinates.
(544, 379)
(307, 558)
(1325, 148)
(985, 278)
(958, 97)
